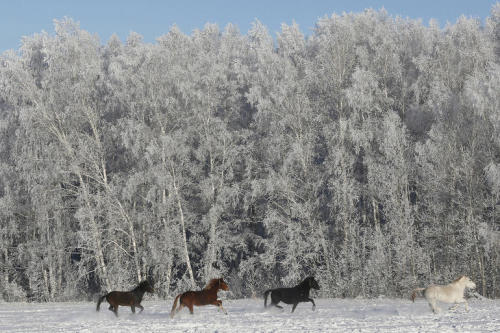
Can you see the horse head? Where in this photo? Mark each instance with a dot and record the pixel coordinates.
(312, 283)
(467, 282)
(223, 285)
(146, 285)
(216, 284)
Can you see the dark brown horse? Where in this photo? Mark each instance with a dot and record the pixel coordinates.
(203, 297)
(294, 295)
(131, 298)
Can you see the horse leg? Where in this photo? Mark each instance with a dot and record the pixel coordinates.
(190, 306)
(466, 305)
(275, 299)
(132, 308)
(312, 301)
(219, 304)
(432, 304)
(278, 306)
(294, 306)
(223, 308)
(140, 307)
(453, 307)
(114, 308)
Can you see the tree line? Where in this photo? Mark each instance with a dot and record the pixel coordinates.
(366, 154)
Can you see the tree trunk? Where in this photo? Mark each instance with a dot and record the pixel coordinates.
(133, 240)
(94, 229)
(183, 231)
(99, 254)
(5, 270)
(124, 214)
(168, 274)
(375, 215)
(211, 253)
(46, 288)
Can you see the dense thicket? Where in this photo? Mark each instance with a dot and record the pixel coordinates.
(367, 154)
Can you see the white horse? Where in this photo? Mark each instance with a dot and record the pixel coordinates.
(450, 293)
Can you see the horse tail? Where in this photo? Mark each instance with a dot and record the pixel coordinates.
(414, 294)
(172, 312)
(265, 296)
(99, 301)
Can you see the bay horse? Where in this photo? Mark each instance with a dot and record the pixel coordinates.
(131, 298)
(294, 295)
(202, 297)
(450, 293)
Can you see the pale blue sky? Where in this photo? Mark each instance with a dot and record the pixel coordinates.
(153, 18)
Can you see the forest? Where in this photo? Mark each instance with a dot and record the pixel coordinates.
(365, 152)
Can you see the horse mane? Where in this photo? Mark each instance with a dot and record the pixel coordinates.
(459, 278)
(304, 283)
(142, 285)
(211, 284)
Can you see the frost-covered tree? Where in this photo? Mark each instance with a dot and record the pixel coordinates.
(366, 154)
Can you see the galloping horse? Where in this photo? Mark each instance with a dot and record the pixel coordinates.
(126, 298)
(450, 293)
(203, 297)
(294, 295)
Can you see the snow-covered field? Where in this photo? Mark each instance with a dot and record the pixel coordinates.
(249, 315)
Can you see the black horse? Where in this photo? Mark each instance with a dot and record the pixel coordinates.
(294, 295)
(131, 298)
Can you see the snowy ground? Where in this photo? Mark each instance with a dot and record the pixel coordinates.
(249, 315)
